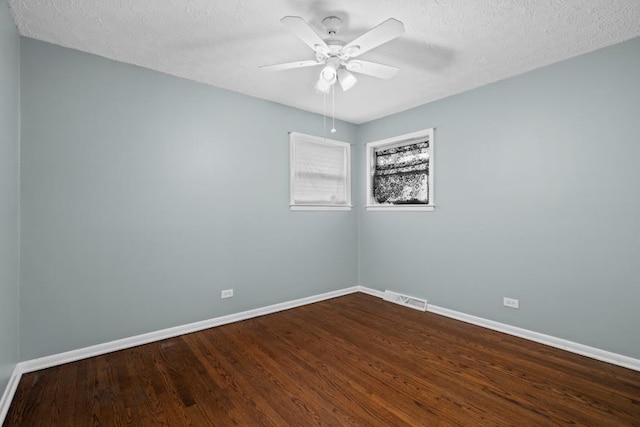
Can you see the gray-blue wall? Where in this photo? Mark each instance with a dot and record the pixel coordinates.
(537, 197)
(144, 195)
(9, 193)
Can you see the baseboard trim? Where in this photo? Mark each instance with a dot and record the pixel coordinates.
(121, 344)
(370, 291)
(571, 346)
(9, 392)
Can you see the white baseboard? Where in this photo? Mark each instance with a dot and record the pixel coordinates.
(9, 392)
(372, 292)
(573, 347)
(108, 347)
(121, 344)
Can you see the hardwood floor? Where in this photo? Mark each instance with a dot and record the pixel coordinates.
(353, 360)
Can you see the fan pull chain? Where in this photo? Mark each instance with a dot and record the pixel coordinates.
(324, 116)
(333, 114)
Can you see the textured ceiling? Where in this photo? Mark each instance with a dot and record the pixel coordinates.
(449, 46)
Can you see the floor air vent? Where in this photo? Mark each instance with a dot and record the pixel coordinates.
(407, 301)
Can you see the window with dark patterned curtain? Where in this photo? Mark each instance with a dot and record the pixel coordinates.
(401, 174)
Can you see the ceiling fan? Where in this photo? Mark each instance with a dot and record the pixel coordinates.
(336, 55)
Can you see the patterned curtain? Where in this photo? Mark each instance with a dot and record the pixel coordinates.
(401, 174)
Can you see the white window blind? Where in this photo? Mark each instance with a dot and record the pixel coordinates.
(319, 172)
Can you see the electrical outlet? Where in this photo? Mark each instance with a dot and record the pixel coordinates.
(510, 302)
(227, 293)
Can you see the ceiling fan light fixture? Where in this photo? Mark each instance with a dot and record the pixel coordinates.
(323, 86)
(328, 74)
(346, 79)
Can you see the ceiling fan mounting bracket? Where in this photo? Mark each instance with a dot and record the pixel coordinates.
(332, 24)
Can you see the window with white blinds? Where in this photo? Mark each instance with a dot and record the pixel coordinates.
(319, 173)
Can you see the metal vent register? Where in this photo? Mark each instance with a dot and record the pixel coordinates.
(407, 301)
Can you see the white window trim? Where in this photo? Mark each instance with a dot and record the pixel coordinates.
(320, 207)
(371, 204)
(293, 136)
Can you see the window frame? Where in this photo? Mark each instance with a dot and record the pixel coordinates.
(297, 136)
(397, 141)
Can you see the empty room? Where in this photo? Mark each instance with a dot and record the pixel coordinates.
(376, 213)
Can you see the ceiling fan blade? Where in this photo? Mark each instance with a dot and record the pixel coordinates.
(374, 69)
(300, 28)
(388, 30)
(290, 65)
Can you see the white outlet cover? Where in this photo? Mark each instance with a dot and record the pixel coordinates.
(511, 302)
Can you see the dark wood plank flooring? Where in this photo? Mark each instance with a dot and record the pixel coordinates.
(353, 360)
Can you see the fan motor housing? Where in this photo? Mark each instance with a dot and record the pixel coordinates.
(335, 45)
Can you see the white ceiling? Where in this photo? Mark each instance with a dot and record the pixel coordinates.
(450, 46)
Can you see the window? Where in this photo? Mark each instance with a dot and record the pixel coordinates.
(320, 173)
(400, 172)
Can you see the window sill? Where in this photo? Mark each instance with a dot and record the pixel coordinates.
(427, 208)
(319, 208)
